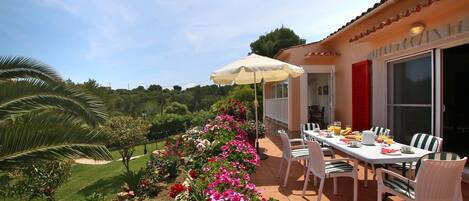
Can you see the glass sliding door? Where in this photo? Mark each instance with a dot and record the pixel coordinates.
(409, 97)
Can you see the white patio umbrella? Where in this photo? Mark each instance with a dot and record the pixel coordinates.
(253, 69)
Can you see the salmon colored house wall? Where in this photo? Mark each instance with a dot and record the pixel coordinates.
(438, 14)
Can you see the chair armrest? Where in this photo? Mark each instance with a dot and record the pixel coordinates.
(299, 146)
(380, 173)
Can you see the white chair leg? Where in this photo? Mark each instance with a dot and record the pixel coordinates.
(355, 187)
(305, 184)
(306, 169)
(321, 186)
(287, 173)
(280, 168)
(335, 185)
(380, 194)
(458, 196)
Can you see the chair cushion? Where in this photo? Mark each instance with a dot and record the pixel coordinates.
(299, 153)
(425, 141)
(400, 187)
(338, 167)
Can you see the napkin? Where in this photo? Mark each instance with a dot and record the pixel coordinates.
(345, 140)
(388, 151)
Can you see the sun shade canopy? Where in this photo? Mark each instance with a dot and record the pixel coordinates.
(242, 71)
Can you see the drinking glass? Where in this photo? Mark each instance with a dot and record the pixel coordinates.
(338, 123)
(337, 130)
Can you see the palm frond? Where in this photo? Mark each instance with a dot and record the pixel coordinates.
(29, 95)
(36, 137)
(12, 67)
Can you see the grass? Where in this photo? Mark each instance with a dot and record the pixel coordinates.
(105, 179)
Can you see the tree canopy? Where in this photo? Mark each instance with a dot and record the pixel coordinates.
(270, 43)
(43, 119)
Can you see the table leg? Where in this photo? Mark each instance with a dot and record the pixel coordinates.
(366, 176)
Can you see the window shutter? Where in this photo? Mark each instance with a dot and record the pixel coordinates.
(361, 95)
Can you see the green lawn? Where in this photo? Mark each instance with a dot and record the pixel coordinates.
(87, 179)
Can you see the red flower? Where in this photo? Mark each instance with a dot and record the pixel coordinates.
(176, 189)
(211, 160)
(193, 174)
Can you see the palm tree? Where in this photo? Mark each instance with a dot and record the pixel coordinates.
(41, 118)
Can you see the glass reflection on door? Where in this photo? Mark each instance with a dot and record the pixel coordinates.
(409, 97)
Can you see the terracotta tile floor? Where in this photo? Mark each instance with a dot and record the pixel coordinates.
(267, 181)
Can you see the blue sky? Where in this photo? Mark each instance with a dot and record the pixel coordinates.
(164, 42)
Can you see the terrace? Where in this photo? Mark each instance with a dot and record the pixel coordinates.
(270, 185)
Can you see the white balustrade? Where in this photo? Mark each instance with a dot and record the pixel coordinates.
(277, 109)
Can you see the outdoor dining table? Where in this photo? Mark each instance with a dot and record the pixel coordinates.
(370, 154)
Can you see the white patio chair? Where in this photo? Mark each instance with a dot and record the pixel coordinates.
(438, 178)
(377, 130)
(332, 168)
(422, 141)
(328, 151)
(291, 153)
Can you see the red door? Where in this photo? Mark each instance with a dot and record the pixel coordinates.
(361, 95)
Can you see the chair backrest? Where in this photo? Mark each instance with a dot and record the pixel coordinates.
(307, 127)
(310, 126)
(377, 130)
(316, 159)
(286, 146)
(442, 156)
(438, 176)
(427, 142)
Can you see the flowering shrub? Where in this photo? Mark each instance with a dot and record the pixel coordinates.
(217, 160)
(233, 108)
(241, 153)
(229, 181)
(220, 162)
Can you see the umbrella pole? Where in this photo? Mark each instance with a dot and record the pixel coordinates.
(261, 155)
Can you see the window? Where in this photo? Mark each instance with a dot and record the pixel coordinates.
(280, 90)
(409, 97)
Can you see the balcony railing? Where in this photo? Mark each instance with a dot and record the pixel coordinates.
(277, 108)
